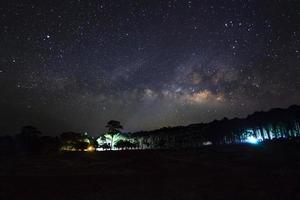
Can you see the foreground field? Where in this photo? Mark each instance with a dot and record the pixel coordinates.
(228, 172)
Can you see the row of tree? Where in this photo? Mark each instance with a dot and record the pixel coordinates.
(272, 125)
(31, 140)
(276, 124)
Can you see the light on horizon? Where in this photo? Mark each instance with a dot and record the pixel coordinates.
(251, 140)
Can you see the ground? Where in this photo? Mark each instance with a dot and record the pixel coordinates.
(224, 172)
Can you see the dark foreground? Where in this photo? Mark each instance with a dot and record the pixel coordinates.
(228, 172)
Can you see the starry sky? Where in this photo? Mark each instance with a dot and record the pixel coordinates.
(74, 65)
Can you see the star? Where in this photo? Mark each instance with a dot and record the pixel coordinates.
(84, 63)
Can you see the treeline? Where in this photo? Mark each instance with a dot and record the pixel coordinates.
(31, 140)
(276, 124)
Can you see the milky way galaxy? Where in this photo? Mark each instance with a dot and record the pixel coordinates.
(74, 65)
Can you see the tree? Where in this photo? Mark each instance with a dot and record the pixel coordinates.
(105, 146)
(113, 130)
(125, 144)
(76, 141)
(49, 144)
(81, 145)
(28, 139)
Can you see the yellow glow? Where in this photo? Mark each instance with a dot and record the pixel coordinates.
(203, 96)
(200, 96)
(90, 148)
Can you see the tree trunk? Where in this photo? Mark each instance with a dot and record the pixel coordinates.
(297, 129)
(255, 133)
(112, 142)
(262, 133)
(275, 132)
(283, 133)
(268, 133)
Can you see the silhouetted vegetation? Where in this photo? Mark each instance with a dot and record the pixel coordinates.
(72, 141)
(125, 144)
(276, 125)
(28, 140)
(113, 129)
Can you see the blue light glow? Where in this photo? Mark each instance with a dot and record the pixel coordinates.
(251, 140)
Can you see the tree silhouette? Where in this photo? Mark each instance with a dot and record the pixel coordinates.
(273, 124)
(49, 144)
(28, 139)
(113, 130)
(125, 144)
(76, 141)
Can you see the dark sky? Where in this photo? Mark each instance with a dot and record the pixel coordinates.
(74, 65)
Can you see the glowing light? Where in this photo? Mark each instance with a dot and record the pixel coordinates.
(203, 96)
(91, 148)
(199, 97)
(251, 140)
(207, 143)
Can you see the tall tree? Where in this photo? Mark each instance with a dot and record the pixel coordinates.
(113, 130)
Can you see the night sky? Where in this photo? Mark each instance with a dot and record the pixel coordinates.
(74, 65)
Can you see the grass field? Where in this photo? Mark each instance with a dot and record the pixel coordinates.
(225, 172)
